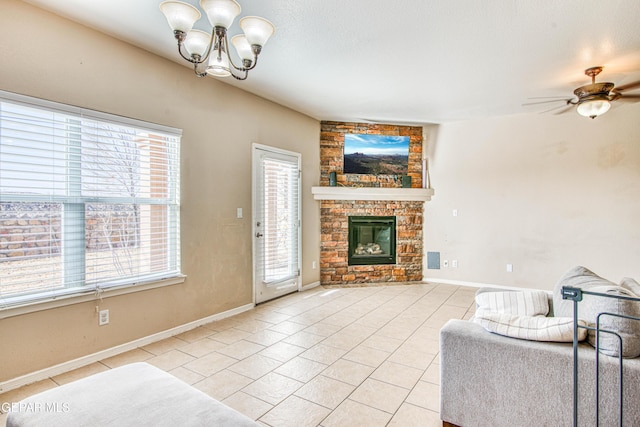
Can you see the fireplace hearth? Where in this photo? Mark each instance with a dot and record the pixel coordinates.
(372, 240)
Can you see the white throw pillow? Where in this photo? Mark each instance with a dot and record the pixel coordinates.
(533, 328)
(524, 303)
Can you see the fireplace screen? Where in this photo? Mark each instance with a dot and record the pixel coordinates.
(372, 240)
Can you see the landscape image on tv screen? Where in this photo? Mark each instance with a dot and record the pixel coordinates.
(376, 154)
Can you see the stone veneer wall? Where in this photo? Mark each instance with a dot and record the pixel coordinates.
(332, 153)
(334, 268)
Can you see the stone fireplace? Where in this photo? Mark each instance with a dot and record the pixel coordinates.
(368, 198)
(339, 203)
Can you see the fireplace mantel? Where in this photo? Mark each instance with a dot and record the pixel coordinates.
(372, 193)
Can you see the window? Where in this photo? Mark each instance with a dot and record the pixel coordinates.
(88, 201)
(280, 215)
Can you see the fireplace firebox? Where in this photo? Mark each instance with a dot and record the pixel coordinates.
(372, 240)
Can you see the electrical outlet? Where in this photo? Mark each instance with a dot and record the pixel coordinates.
(510, 268)
(103, 317)
(454, 263)
(314, 265)
(445, 263)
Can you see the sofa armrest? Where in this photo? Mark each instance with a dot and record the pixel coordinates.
(489, 379)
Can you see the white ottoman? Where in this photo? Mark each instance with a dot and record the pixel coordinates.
(133, 395)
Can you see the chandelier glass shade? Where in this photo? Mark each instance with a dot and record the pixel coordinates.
(209, 53)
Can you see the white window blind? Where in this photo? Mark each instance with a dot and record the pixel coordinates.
(88, 200)
(280, 207)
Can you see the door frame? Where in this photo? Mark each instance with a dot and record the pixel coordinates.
(254, 181)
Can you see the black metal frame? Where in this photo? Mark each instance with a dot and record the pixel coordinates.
(575, 295)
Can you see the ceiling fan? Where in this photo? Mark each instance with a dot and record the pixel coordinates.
(595, 99)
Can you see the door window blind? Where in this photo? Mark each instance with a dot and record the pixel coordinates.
(88, 200)
(280, 208)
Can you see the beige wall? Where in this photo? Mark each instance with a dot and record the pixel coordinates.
(52, 58)
(540, 191)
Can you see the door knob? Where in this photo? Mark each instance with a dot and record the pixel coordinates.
(259, 234)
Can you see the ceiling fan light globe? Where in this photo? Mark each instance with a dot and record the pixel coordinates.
(221, 13)
(197, 42)
(593, 108)
(180, 16)
(257, 30)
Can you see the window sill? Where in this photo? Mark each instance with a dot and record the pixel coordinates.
(91, 295)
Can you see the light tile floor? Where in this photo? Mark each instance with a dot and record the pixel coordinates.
(357, 356)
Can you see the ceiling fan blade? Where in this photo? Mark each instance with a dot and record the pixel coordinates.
(547, 97)
(565, 100)
(632, 85)
(629, 98)
(564, 110)
(555, 108)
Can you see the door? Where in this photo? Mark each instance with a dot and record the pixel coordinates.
(276, 222)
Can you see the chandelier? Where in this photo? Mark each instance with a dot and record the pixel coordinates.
(209, 53)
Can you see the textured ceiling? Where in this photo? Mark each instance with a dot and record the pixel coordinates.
(407, 61)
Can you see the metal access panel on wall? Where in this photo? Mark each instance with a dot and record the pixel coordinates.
(433, 260)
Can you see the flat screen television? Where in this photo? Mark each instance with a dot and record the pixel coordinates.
(376, 154)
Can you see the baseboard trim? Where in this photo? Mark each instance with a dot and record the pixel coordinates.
(475, 284)
(460, 283)
(310, 286)
(113, 351)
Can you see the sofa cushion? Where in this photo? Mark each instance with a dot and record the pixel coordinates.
(631, 285)
(533, 328)
(526, 303)
(592, 305)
